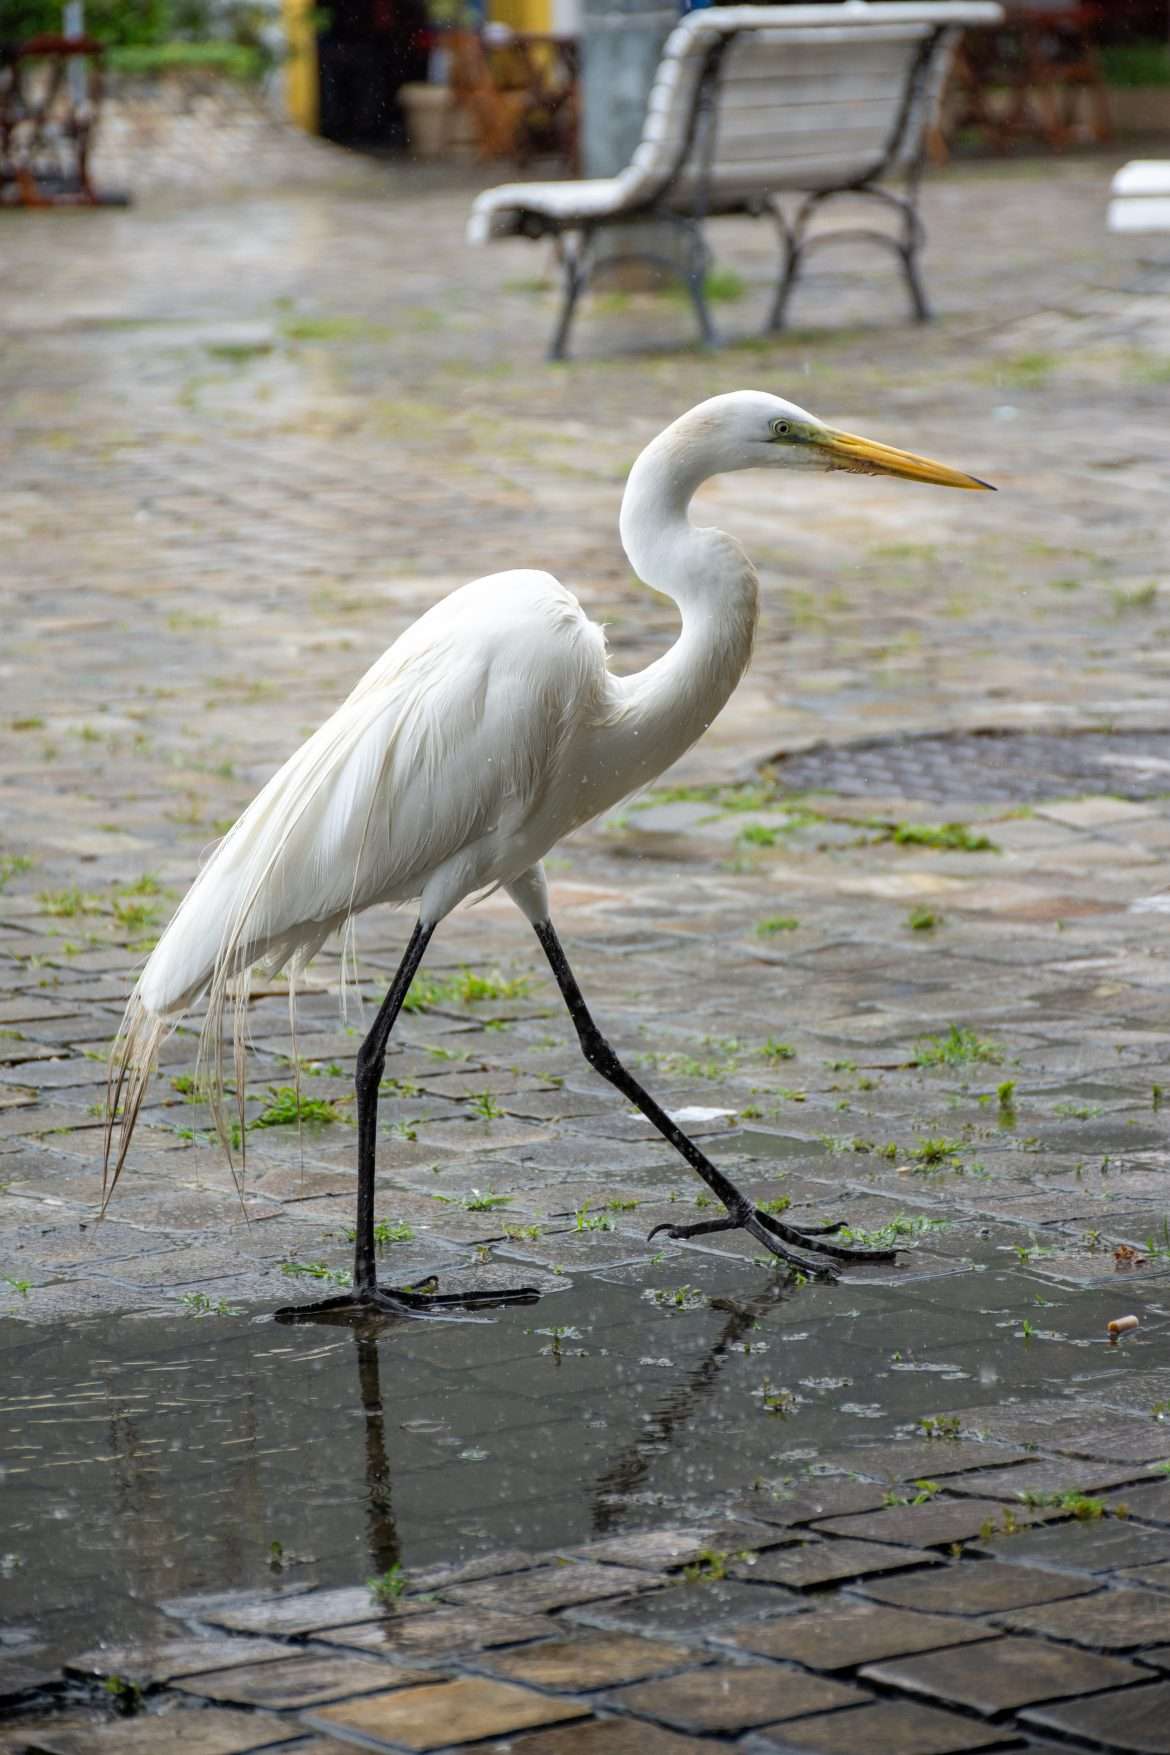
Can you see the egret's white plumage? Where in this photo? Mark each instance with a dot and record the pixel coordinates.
(487, 731)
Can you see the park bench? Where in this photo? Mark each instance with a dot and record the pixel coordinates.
(751, 104)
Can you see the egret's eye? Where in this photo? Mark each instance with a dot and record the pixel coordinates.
(781, 429)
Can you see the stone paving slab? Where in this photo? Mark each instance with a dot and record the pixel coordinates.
(976, 1588)
(24, 1734)
(1116, 1620)
(466, 1710)
(174, 1659)
(1150, 1504)
(938, 1524)
(609, 1737)
(656, 1548)
(599, 1661)
(1089, 1548)
(844, 1637)
(688, 1611)
(1004, 1676)
(297, 1682)
(887, 1727)
(559, 1587)
(1124, 1439)
(733, 1699)
(1156, 1575)
(1133, 1720)
(1015, 1484)
(433, 1636)
(301, 1613)
(175, 1733)
(813, 1564)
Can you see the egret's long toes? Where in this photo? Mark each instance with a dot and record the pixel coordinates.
(805, 1264)
(366, 1302)
(785, 1241)
(815, 1237)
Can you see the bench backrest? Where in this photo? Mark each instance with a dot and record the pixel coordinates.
(805, 98)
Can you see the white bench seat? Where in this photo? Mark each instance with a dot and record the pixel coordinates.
(1140, 196)
(749, 104)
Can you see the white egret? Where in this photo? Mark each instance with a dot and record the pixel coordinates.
(492, 727)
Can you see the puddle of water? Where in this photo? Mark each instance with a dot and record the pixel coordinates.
(150, 1458)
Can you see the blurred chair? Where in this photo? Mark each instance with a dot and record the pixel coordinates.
(50, 98)
(520, 89)
(1035, 78)
(496, 112)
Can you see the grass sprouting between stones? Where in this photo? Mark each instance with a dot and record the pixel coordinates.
(467, 988)
(959, 1047)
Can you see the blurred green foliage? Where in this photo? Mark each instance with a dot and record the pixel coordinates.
(240, 61)
(1137, 63)
(112, 21)
(153, 34)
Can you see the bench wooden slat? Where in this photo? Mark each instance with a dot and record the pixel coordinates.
(835, 158)
(825, 42)
(742, 183)
(778, 124)
(815, 60)
(798, 94)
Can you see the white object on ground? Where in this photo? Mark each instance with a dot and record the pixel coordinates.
(696, 1112)
(1140, 196)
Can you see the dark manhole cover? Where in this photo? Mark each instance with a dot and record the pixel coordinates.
(986, 767)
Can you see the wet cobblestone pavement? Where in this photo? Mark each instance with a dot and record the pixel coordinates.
(681, 1502)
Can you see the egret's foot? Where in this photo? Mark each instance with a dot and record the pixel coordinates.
(779, 1239)
(364, 1302)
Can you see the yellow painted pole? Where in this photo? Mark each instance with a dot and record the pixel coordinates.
(535, 15)
(302, 97)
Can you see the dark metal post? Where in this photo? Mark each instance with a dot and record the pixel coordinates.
(621, 48)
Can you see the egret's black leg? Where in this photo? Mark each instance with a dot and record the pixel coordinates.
(371, 1063)
(367, 1297)
(741, 1215)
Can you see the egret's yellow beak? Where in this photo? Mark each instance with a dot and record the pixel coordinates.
(867, 457)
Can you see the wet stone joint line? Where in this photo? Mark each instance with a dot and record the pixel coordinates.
(887, 945)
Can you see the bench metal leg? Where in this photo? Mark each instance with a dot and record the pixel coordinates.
(794, 245)
(790, 262)
(696, 279)
(571, 253)
(913, 238)
(918, 298)
(580, 264)
(702, 310)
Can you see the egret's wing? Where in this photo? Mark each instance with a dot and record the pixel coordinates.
(452, 732)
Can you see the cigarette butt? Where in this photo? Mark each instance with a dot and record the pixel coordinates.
(1121, 1325)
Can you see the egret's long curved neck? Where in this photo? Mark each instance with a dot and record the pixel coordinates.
(710, 578)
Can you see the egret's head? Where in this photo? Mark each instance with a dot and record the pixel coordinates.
(748, 429)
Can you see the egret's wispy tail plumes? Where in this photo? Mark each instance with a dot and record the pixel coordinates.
(139, 1038)
(300, 862)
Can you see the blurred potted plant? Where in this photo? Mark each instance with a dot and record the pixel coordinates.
(434, 122)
